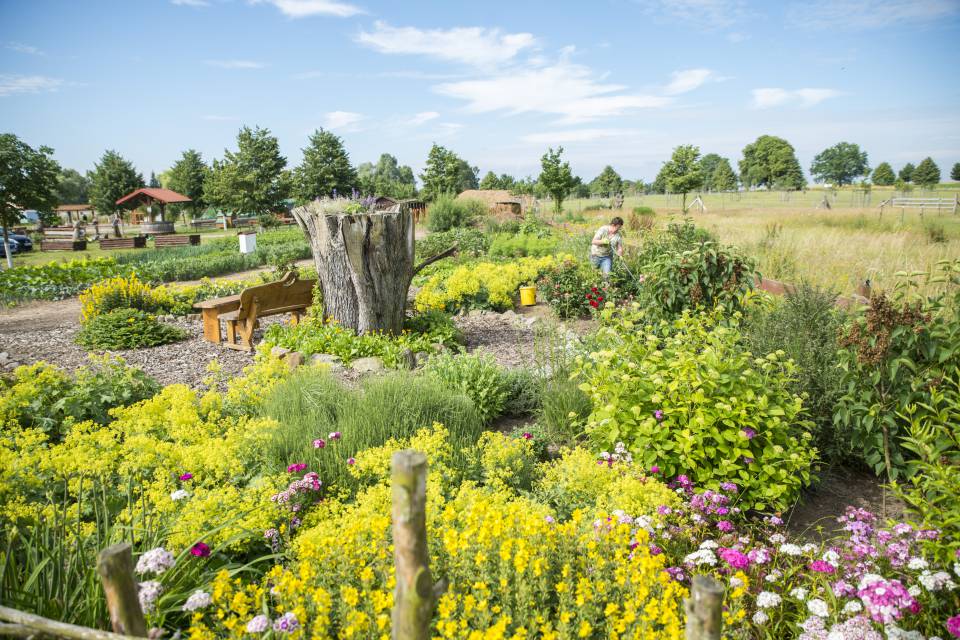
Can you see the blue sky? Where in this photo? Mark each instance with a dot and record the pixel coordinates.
(616, 82)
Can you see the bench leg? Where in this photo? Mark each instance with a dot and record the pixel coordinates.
(231, 332)
(211, 325)
(246, 334)
(294, 318)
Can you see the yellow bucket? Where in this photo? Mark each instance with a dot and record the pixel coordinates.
(528, 296)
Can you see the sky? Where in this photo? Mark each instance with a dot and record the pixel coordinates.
(619, 82)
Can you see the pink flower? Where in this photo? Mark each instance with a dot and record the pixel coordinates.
(734, 558)
(658, 414)
(185, 476)
(296, 467)
(334, 436)
(654, 470)
(822, 566)
(725, 525)
(351, 461)
(319, 443)
(527, 435)
(200, 550)
(953, 626)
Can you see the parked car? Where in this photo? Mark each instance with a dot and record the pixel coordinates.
(14, 247)
(26, 244)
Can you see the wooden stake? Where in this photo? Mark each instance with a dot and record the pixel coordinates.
(704, 609)
(115, 566)
(415, 594)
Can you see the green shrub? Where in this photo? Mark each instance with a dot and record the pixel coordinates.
(566, 287)
(520, 245)
(805, 325)
(564, 409)
(686, 397)
(475, 375)
(311, 405)
(471, 242)
(41, 396)
(894, 353)
(436, 325)
(523, 392)
(127, 329)
(446, 212)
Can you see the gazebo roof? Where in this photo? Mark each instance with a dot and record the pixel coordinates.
(164, 196)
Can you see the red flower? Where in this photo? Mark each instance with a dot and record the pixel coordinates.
(593, 289)
(600, 299)
(593, 303)
(200, 550)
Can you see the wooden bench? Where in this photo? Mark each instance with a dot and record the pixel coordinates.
(133, 242)
(176, 240)
(210, 311)
(203, 223)
(287, 295)
(63, 245)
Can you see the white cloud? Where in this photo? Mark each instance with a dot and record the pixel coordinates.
(235, 64)
(422, 117)
(307, 8)
(686, 80)
(471, 45)
(340, 119)
(569, 90)
(577, 135)
(776, 97)
(11, 84)
(191, 3)
(19, 47)
(868, 14)
(705, 14)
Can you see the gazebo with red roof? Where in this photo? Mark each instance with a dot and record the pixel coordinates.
(148, 196)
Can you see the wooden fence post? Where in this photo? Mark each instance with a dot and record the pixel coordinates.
(115, 566)
(416, 594)
(704, 609)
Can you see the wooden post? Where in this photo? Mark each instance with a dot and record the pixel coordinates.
(115, 566)
(415, 594)
(27, 625)
(704, 609)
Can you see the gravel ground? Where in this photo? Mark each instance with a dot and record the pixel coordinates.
(504, 336)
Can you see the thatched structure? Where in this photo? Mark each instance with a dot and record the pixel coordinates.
(501, 202)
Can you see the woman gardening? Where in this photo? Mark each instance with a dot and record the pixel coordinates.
(606, 240)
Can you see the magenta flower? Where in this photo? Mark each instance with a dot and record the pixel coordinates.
(319, 443)
(734, 558)
(186, 476)
(654, 470)
(351, 461)
(296, 467)
(335, 435)
(658, 414)
(527, 435)
(822, 566)
(953, 626)
(200, 550)
(725, 525)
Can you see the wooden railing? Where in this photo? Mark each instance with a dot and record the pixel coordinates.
(415, 596)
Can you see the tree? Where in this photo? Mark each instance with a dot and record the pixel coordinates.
(840, 164)
(252, 179)
(683, 172)
(189, 176)
(579, 188)
(708, 166)
(906, 174)
(154, 183)
(955, 172)
(607, 183)
(73, 187)
(111, 179)
(446, 174)
(883, 175)
(325, 169)
(723, 178)
(771, 162)
(386, 178)
(927, 173)
(555, 177)
(659, 184)
(28, 180)
(490, 181)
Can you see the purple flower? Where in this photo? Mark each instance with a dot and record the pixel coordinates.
(748, 433)
(822, 566)
(734, 558)
(296, 467)
(725, 525)
(729, 487)
(658, 414)
(654, 470)
(335, 435)
(200, 550)
(186, 476)
(549, 519)
(351, 461)
(527, 435)
(319, 443)
(259, 624)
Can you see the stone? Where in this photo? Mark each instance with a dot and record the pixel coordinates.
(324, 358)
(279, 352)
(4, 356)
(532, 320)
(509, 314)
(294, 359)
(193, 317)
(408, 360)
(421, 357)
(439, 347)
(367, 365)
(476, 313)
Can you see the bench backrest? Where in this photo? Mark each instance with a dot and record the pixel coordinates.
(287, 293)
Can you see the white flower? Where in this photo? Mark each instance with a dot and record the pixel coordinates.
(777, 538)
(956, 568)
(760, 618)
(773, 576)
(703, 556)
(818, 607)
(148, 594)
(914, 590)
(791, 549)
(155, 561)
(916, 564)
(896, 633)
(708, 544)
(936, 581)
(197, 600)
(736, 583)
(179, 494)
(808, 548)
(836, 635)
(852, 607)
(768, 599)
(799, 593)
(832, 557)
(868, 579)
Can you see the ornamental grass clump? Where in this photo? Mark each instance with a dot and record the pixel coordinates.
(122, 329)
(686, 396)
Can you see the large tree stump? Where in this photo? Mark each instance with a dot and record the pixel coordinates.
(364, 262)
